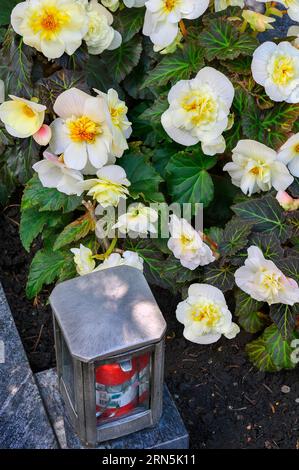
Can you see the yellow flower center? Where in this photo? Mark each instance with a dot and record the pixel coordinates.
(48, 21)
(28, 111)
(83, 129)
(283, 70)
(206, 312)
(296, 148)
(117, 113)
(261, 170)
(272, 281)
(170, 5)
(201, 106)
(185, 240)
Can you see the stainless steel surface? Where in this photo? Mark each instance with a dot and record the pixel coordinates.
(108, 316)
(107, 313)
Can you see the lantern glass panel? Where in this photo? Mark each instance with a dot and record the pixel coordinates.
(123, 387)
(68, 371)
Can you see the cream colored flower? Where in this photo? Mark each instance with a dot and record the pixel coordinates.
(276, 67)
(128, 258)
(163, 16)
(100, 35)
(292, 7)
(53, 173)
(224, 4)
(109, 187)
(51, 26)
(263, 281)
(289, 154)
(294, 31)
(139, 219)
(22, 118)
(205, 315)
(112, 5)
(199, 109)
(187, 244)
(83, 259)
(287, 202)
(255, 168)
(83, 131)
(257, 21)
(121, 126)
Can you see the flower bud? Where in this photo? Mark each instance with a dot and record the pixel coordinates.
(43, 135)
(286, 201)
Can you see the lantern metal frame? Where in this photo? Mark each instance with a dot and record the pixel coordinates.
(82, 408)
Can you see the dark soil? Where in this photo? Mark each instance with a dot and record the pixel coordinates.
(224, 401)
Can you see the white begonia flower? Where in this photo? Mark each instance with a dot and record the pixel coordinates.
(111, 4)
(22, 118)
(224, 4)
(292, 7)
(2, 91)
(289, 154)
(163, 16)
(121, 126)
(205, 315)
(294, 31)
(134, 3)
(100, 35)
(83, 259)
(53, 173)
(83, 130)
(187, 244)
(128, 258)
(255, 168)
(139, 218)
(199, 108)
(276, 67)
(262, 280)
(109, 187)
(51, 26)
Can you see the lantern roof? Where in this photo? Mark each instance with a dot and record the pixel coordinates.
(106, 313)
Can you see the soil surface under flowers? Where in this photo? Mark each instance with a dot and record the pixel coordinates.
(224, 401)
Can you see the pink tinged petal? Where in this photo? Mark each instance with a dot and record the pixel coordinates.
(75, 156)
(43, 135)
(71, 103)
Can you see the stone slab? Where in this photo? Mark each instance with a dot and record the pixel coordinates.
(170, 433)
(23, 420)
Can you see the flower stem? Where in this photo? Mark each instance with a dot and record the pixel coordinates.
(183, 28)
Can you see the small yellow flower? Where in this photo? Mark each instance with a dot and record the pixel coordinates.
(257, 21)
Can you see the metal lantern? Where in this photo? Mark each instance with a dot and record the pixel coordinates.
(109, 337)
